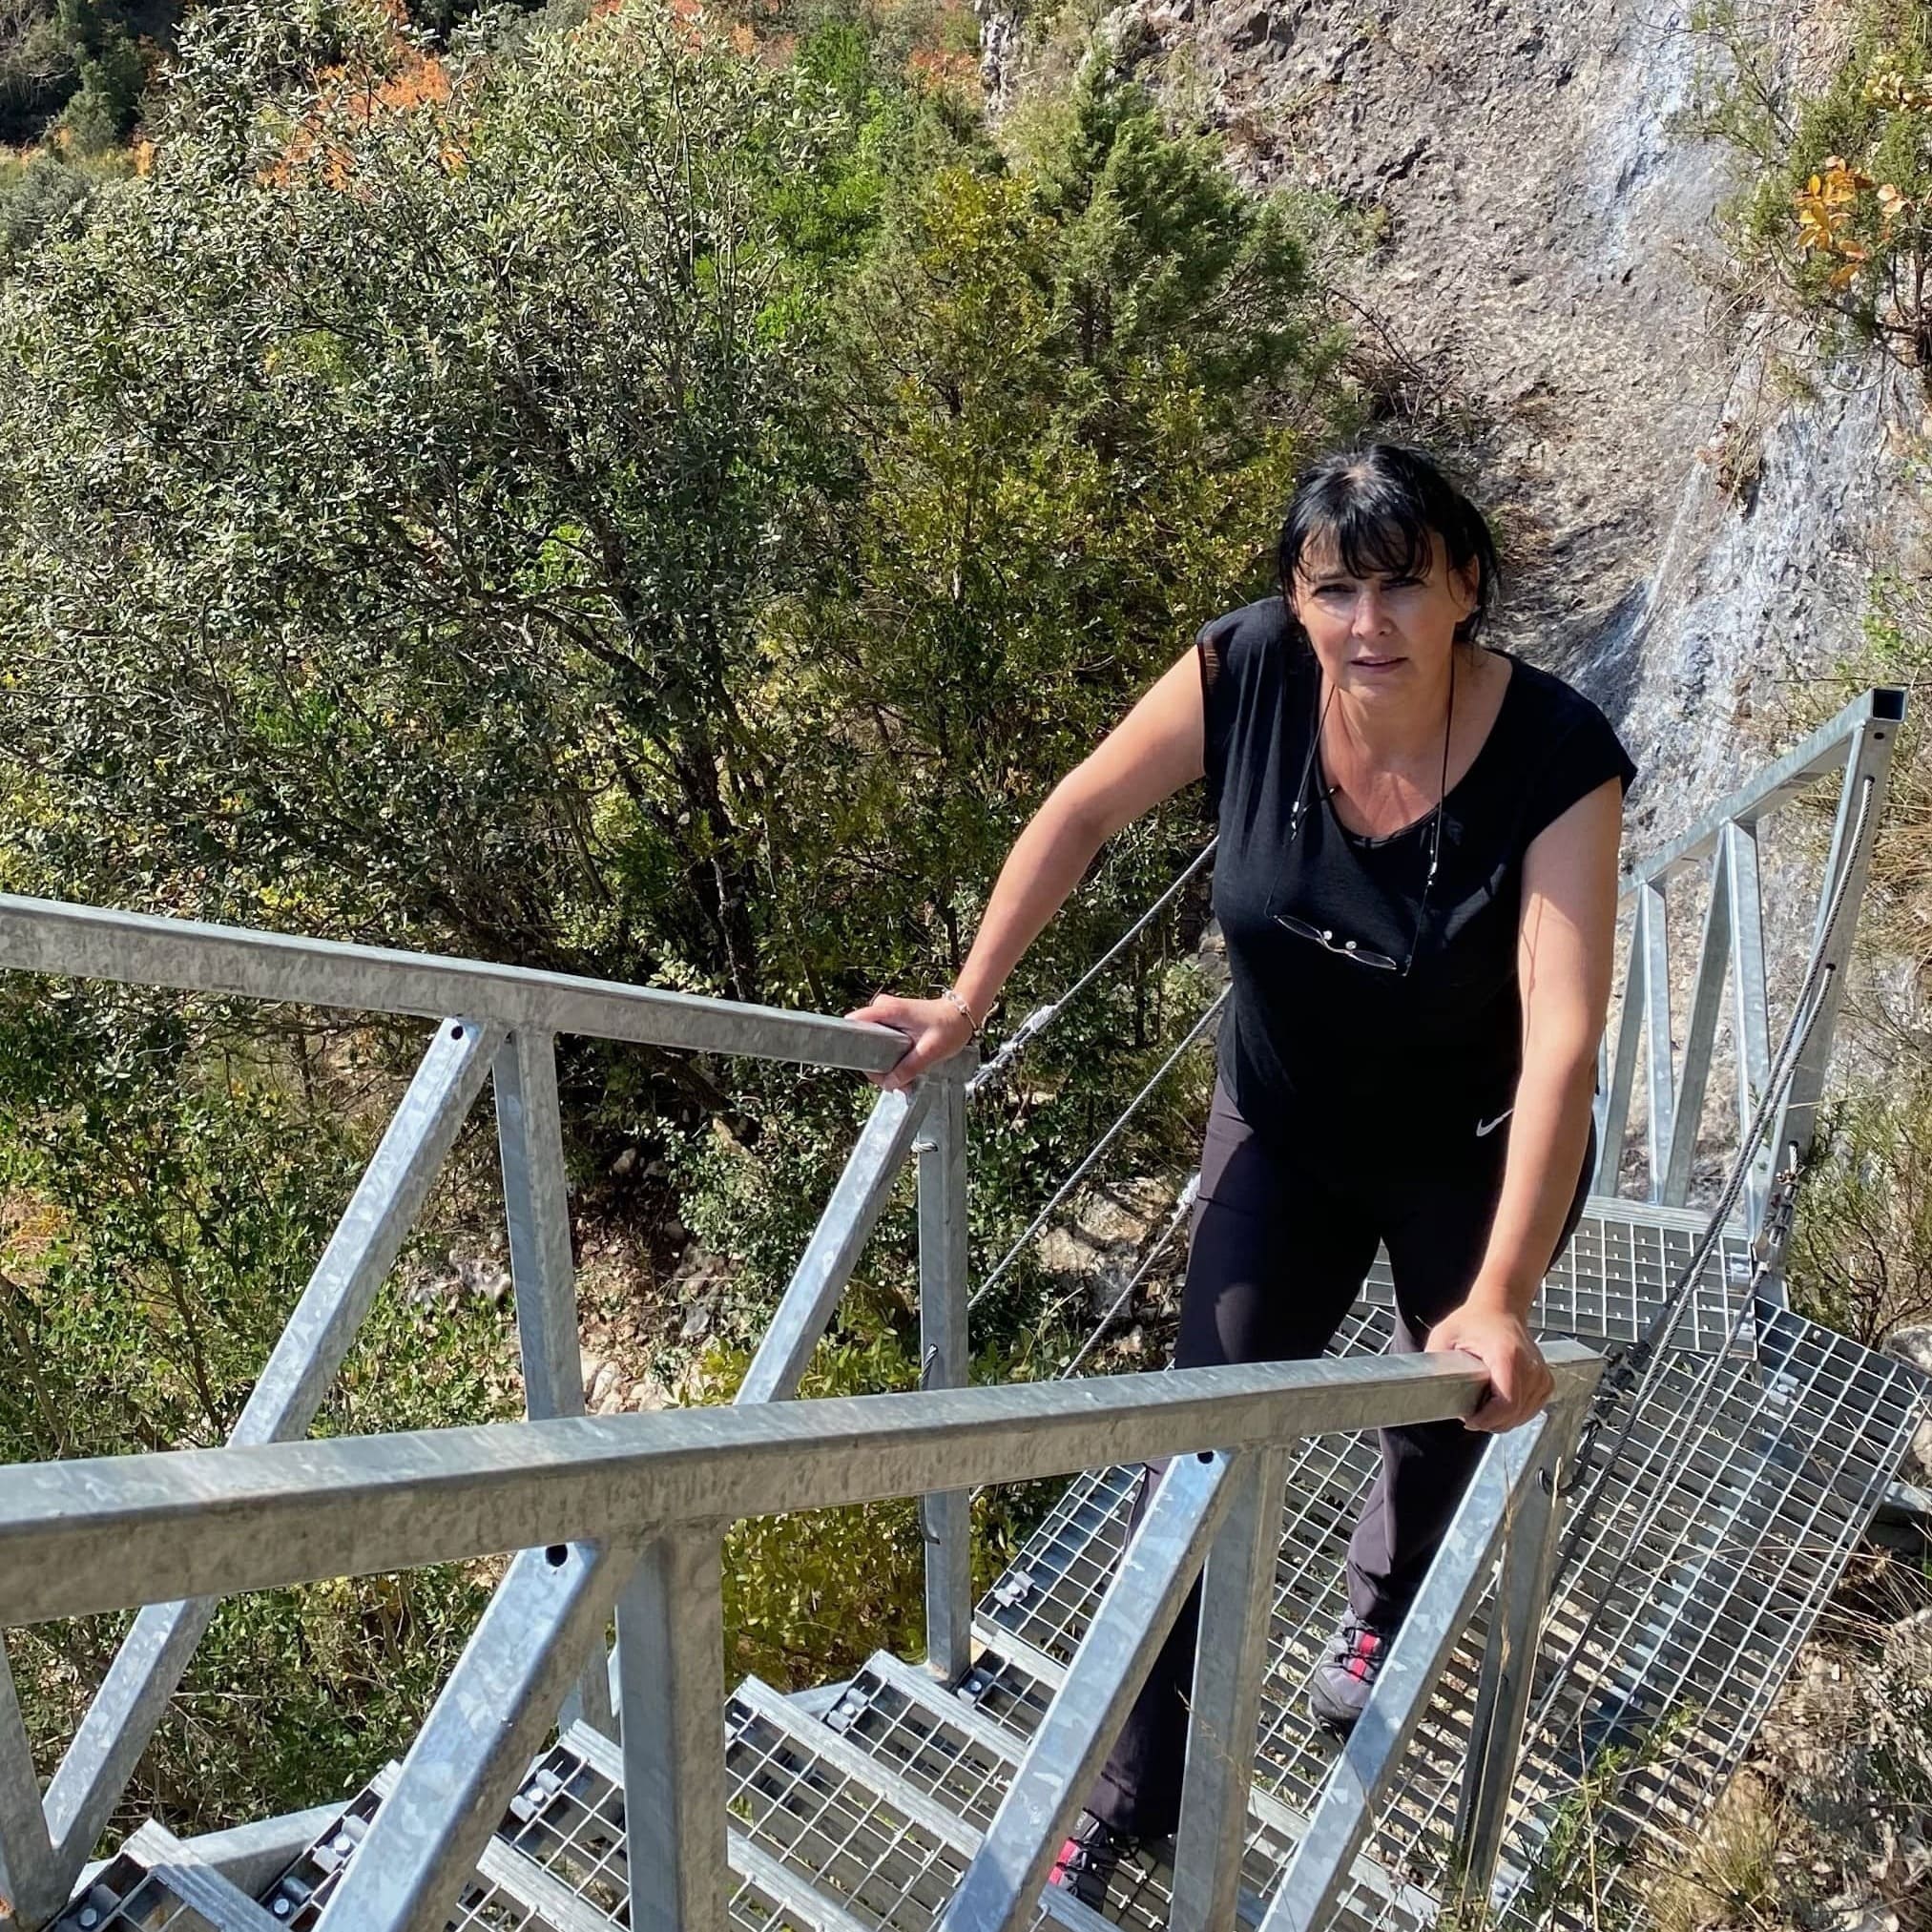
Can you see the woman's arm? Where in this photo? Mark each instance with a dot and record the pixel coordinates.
(1155, 750)
(1564, 967)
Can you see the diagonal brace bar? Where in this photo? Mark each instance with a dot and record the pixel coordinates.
(1346, 1809)
(1001, 1889)
(1529, 1549)
(833, 1249)
(155, 1652)
(478, 1741)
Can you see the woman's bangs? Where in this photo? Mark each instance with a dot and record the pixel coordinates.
(1379, 539)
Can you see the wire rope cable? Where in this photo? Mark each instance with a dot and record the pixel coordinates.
(1040, 1018)
(1093, 1154)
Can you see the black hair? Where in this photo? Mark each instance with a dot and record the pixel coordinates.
(1381, 502)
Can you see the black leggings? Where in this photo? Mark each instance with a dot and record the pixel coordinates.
(1279, 1250)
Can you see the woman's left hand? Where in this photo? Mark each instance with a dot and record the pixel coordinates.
(1520, 1381)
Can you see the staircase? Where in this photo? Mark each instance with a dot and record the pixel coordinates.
(1733, 1485)
(857, 1806)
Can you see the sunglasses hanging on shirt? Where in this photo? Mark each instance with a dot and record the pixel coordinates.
(1348, 948)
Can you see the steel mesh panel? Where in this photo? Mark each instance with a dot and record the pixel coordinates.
(833, 1830)
(569, 1818)
(128, 1897)
(1617, 1271)
(1047, 1593)
(1741, 1494)
(1048, 1597)
(930, 1754)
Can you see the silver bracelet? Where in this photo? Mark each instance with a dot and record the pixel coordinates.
(948, 993)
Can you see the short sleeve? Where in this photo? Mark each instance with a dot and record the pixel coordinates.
(1217, 708)
(1583, 754)
(1237, 652)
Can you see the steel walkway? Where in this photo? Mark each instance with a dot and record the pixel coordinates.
(1743, 1467)
(859, 1807)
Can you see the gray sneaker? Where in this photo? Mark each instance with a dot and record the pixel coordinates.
(1345, 1676)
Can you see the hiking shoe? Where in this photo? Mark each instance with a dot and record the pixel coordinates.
(1087, 1859)
(1345, 1676)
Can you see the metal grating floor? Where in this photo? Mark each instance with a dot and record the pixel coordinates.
(1742, 1491)
(1620, 1266)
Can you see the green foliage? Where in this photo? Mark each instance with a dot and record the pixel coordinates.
(1832, 208)
(45, 194)
(1860, 1258)
(608, 501)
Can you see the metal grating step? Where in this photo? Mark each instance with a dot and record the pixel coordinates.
(945, 1743)
(1620, 1266)
(850, 1823)
(1752, 1479)
(568, 1818)
(507, 1892)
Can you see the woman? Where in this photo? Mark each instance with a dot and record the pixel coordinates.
(1416, 882)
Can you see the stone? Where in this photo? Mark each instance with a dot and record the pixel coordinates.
(1912, 1344)
(479, 1275)
(1107, 1237)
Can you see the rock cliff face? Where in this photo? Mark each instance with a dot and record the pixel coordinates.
(1681, 534)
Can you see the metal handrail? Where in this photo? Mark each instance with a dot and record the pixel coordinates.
(1858, 742)
(138, 949)
(113, 1533)
(644, 1500)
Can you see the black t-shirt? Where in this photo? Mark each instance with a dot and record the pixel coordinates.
(1326, 1054)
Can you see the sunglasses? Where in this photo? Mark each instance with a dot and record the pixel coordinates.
(1325, 936)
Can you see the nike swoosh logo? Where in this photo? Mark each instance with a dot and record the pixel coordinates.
(1484, 1127)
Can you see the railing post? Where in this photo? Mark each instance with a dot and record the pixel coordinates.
(1750, 1011)
(945, 1361)
(1529, 1567)
(1701, 1032)
(530, 1138)
(1660, 1078)
(1237, 1596)
(27, 1877)
(671, 1676)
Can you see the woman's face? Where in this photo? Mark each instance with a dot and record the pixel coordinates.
(1383, 636)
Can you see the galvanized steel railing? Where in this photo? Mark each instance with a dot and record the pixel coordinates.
(627, 1513)
(1859, 743)
(504, 1029)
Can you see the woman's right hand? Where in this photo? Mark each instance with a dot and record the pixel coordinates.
(936, 1028)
